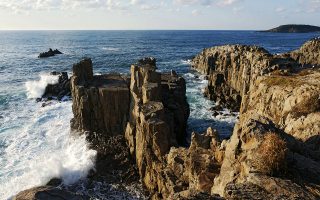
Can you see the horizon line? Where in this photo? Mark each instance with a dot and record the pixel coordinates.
(130, 30)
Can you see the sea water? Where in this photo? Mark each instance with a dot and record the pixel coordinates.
(35, 141)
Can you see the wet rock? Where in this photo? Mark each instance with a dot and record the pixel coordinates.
(48, 192)
(49, 53)
(59, 90)
(151, 61)
(55, 182)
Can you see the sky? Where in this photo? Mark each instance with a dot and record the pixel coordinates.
(156, 14)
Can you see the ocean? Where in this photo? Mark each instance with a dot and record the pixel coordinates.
(35, 141)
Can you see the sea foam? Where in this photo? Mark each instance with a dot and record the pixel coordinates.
(42, 148)
(35, 89)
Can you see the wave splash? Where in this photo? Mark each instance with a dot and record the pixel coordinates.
(43, 149)
(35, 89)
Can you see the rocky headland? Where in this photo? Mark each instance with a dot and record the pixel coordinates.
(138, 123)
(294, 28)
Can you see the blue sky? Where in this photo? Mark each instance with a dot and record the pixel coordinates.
(156, 14)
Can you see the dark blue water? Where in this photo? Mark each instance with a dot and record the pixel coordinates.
(34, 141)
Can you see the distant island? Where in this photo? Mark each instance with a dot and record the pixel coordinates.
(294, 28)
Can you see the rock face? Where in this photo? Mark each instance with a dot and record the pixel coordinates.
(309, 54)
(138, 126)
(158, 116)
(232, 69)
(49, 53)
(60, 89)
(100, 103)
(154, 110)
(294, 28)
(273, 152)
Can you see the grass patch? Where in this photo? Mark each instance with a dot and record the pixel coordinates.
(271, 155)
(310, 105)
(283, 81)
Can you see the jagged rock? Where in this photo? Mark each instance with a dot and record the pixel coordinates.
(158, 117)
(279, 98)
(196, 167)
(151, 61)
(48, 192)
(49, 53)
(308, 55)
(59, 90)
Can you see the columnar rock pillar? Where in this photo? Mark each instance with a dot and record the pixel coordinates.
(100, 103)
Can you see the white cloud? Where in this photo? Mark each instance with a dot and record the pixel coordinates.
(227, 2)
(314, 6)
(280, 10)
(149, 7)
(28, 5)
(207, 2)
(195, 12)
(18, 6)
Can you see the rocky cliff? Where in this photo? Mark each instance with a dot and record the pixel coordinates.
(138, 126)
(232, 69)
(273, 152)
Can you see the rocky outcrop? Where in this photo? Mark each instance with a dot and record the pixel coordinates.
(49, 53)
(59, 90)
(232, 69)
(308, 55)
(101, 110)
(273, 152)
(100, 103)
(295, 28)
(158, 117)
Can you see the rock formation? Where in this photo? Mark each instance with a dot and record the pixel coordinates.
(49, 53)
(138, 125)
(58, 90)
(273, 152)
(100, 103)
(295, 28)
(232, 69)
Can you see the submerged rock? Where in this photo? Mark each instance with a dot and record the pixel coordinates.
(49, 53)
